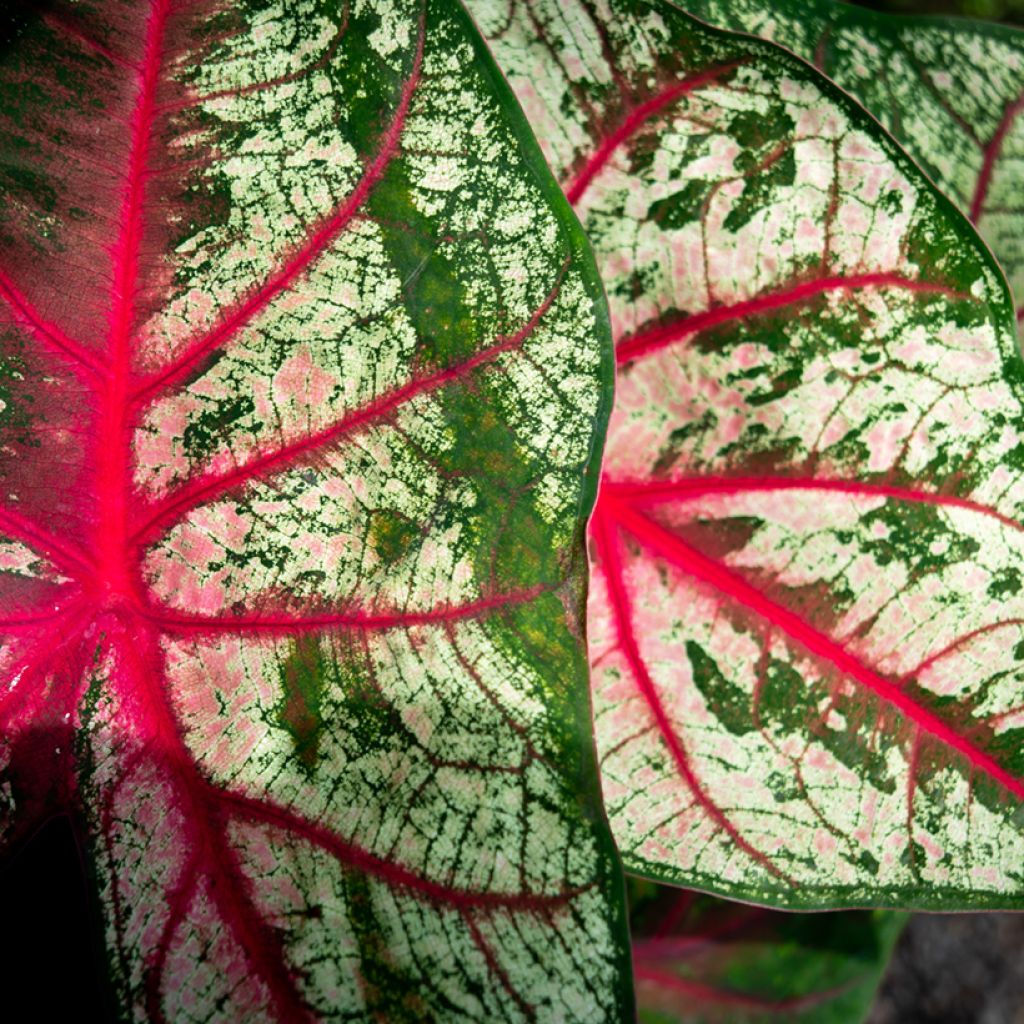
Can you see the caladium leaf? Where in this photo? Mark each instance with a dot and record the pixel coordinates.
(950, 90)
(305, 366)
(806, 607)
(701, 960)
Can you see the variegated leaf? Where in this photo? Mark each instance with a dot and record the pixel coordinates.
(702, 960)
(950, 90)
(304, 368)
(807, 603)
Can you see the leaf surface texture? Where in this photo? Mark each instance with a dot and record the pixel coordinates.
(806, 613)
(950, 90)
(304, 368)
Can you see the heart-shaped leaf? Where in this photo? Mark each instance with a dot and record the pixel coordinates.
(304, 370)
(807, 603)
(950, 90)
(700, 959)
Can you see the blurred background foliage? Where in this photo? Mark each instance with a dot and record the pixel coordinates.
(1011, 11)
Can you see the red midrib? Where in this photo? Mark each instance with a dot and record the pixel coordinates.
(616, 500)
(113, 442)
(689, 560)
(637, 493)
(28, 674)
(48, 334)
(75, 562)
(301, 261)
(61, 23)
(109, 566)
(655, 338)
(267, 813)
(992, 152)
(283, 625)
(208, 807)
(142, 653)
(603, 531)
(962, 641)
(206, 488)
(635, 119)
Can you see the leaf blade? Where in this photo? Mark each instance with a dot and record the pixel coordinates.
(806, 332)
(948, 89)
(309, 650)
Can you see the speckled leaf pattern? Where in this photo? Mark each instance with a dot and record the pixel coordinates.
(806, 619)
(702, 960)
(304, 371)
(950, 90)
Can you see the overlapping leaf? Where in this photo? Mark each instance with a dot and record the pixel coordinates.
(700, 959)
(950, 90)
(807, 605)
(303, 370)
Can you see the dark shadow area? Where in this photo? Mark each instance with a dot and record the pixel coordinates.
(955, 969)
(46, 944)
(16, 14)
(1011, 11)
